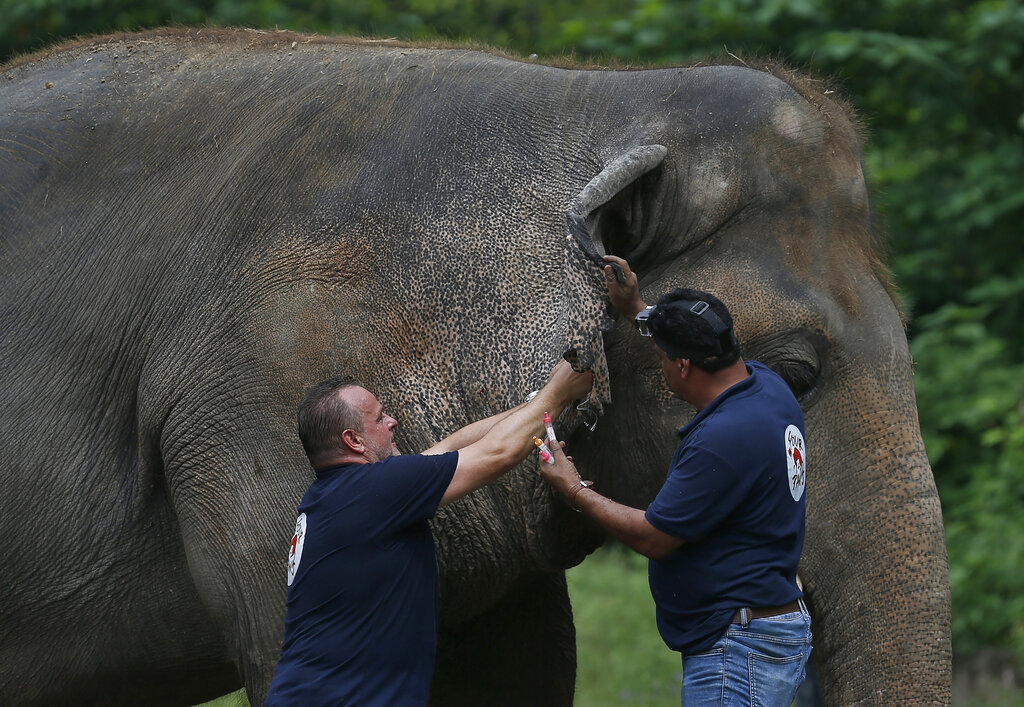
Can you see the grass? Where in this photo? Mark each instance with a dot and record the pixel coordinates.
(235, 699)
(621, 658)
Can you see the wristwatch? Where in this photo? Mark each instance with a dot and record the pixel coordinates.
(641, 320)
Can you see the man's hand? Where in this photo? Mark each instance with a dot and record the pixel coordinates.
(624, 297)
(562, 475)
(567, 384)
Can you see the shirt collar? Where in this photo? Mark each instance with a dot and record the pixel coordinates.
(735, 389)
(324, 472)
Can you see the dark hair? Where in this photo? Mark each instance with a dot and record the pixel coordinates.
(324, 415)
(686, 334)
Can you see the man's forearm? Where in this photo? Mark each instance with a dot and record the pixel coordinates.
(626, 524)
(513, 435)
(471, 432)
(506, 444)
(509, 440)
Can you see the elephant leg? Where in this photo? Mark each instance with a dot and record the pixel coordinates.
(235, 529)
(521, 651)
(234, 575)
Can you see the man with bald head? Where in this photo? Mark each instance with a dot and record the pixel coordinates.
(361, 626)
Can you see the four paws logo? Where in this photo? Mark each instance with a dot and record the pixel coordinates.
(796, 460)
(295, 551)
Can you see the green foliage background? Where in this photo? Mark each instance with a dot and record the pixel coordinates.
(940, 87)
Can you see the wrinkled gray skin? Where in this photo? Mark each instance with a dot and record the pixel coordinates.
(196, 226)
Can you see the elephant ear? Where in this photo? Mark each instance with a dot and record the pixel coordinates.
(619, 174)
(586, 293)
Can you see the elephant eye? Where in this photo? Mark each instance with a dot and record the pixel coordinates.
(797, 357)
(799, 377)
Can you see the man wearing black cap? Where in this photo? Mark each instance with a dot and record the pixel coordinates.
(724, 533)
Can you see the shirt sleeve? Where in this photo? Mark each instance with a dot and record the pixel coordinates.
(409, 488)
(701, 491)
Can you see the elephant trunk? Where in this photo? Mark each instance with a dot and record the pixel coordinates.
(877, 578)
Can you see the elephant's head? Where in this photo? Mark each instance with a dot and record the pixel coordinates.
(770, 213)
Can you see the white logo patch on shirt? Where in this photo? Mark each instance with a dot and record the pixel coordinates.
(295, 551)
(796, 459)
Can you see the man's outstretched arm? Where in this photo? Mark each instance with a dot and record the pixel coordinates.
(470, 433)
(624, 523)
(510, 438)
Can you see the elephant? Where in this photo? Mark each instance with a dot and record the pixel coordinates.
(197, 224)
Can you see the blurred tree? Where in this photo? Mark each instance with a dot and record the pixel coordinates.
(970, 391)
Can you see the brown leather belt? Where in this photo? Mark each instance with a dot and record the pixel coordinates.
(765, 612)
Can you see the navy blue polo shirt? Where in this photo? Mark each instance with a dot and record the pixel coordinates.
(735, 495)
(361, 625)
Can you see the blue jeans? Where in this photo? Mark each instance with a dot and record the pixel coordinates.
(760, 664)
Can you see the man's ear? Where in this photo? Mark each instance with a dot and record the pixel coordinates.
(684, 367)
(353, 441)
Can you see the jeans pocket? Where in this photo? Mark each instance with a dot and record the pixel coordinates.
(703, 677)
(774, 679)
